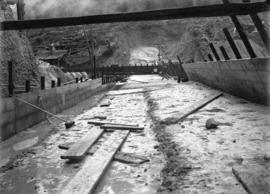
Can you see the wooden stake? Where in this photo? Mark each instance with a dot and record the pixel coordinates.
(232, 43)
(42, 82)
(241, 33)
(223, 51)
(260, 27)
(214, 51)
(10, 79)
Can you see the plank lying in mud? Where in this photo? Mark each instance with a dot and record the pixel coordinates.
(138, 81)
(177, 118)
(85, 181)
(130, 158)
(125, 92)
(255, 179)
(79, 149)
(122, 127)
(98, 123)
(94, 117)
(127, 158)
(105, 104)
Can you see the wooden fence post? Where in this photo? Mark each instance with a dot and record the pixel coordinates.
(223, 51)
(58, 82)
(242, 34)
(260, 27)
(232, 43)
(27, 86)
(214, 51)
(42, 82)
(210, 57)
(10, 79)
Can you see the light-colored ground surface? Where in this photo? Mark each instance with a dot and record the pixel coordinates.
(184, 157)
(243, 138)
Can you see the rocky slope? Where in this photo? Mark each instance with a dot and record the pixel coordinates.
(139, 42)
(15, 47)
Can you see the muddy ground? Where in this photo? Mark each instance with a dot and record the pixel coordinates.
(184, 157)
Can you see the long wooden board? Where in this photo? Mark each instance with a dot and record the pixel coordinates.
(122, 127)
(79, 149)
(163, 14)
(108, 123)
(177, 118)
(86, 180)
(255, 179)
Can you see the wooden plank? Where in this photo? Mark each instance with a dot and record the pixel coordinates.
(241, 33)
(66, 146)
(94, 117)
(105, 104)
(232, 43)
(79, 149)
(86, 180)
(121, 127)
(260, 27)
(225, 54)
(164, 14)
(254, 178)
(108, 123)
(214, 51)
(192, 109)
(130, 158)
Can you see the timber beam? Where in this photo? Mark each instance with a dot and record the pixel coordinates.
(164, 14)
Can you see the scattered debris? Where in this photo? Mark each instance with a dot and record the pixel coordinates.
(108, 123)
(122, 127)
(91, 172)
(175, 119)
(80, 148)
(105, 104)
(130, 158)
(211, 124)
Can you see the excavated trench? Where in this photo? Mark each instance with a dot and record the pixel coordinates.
(184, 156)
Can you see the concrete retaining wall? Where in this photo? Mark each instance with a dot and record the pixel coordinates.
(17, 116)
(246, 78)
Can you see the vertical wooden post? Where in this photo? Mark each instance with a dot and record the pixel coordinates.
(58, 82)
(42, 82)
(53, 84)
(77, 80)
(20, 9)
(242, 34)
(210, 57)
(214, 51)
(81, 79)
(260, 27)
(232, 43)
(223, 51)
(94, 61)
(27, 86)
(10, 79)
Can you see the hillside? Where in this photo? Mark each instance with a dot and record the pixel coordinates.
(135, 42)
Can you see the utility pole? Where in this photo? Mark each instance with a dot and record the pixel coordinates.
(159, 53)
(90, 49)
(20, 9)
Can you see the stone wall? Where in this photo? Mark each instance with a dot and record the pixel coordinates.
(246, 78)
(16, 116)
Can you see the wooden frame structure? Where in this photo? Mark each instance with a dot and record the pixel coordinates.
(165, 14)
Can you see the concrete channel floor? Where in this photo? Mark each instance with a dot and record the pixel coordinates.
(184, 157)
